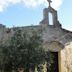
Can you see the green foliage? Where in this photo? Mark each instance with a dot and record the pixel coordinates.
(24, 50)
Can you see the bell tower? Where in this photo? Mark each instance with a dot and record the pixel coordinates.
(46, 17)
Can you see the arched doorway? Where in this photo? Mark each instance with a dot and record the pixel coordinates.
(55, 48)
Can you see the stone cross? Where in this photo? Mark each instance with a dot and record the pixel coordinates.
(49, 1)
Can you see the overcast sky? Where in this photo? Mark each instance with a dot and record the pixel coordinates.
(30, 12)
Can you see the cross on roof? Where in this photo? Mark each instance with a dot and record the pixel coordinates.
(49, 1)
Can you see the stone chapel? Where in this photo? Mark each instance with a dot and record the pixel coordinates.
(56, 39)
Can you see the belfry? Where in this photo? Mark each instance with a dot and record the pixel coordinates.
(53, 12)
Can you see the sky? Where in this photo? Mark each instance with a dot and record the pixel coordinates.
(19, 13)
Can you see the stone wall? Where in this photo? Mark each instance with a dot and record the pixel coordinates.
(66, 58)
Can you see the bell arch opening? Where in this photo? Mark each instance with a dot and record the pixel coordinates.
(50, 17)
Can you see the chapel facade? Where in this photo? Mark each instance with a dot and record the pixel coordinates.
(57, 40)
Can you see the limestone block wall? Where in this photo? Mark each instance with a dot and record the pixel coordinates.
(66, 58)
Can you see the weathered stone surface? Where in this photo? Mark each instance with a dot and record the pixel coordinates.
(66, 58)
